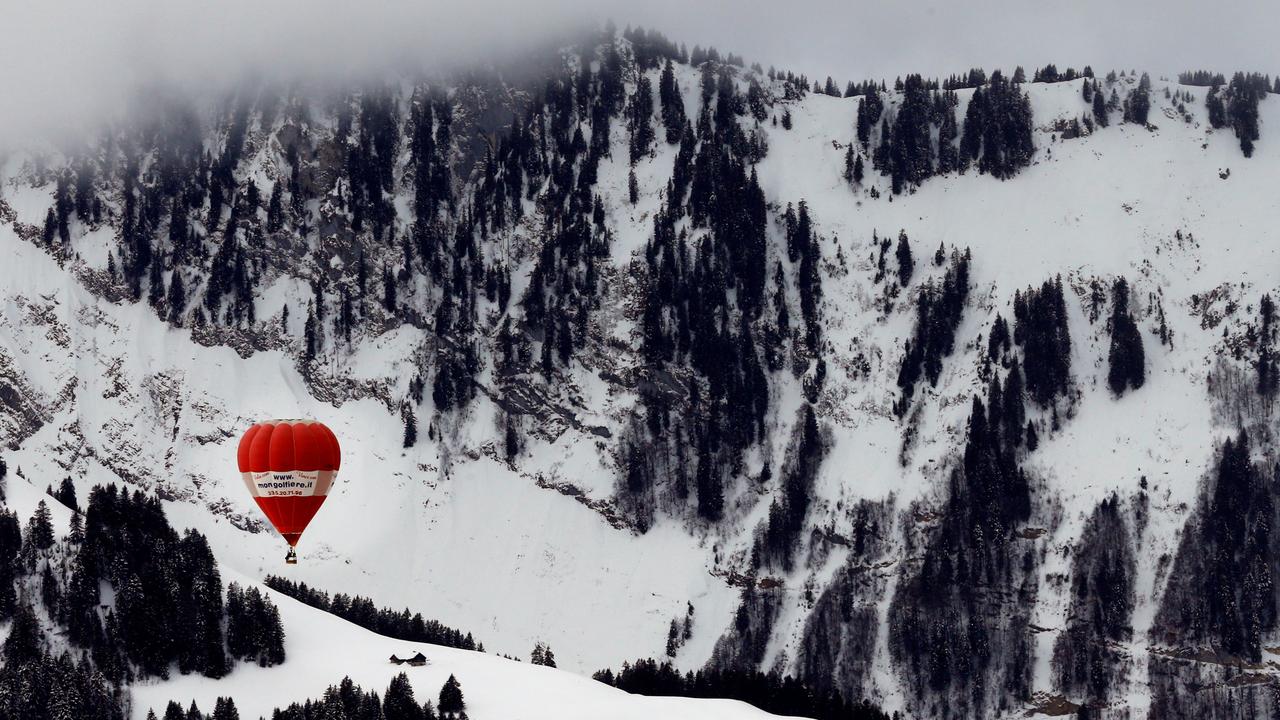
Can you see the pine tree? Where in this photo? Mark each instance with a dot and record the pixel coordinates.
(399, 702)
(1100, 115)
(1242, 109)
(39, 532)
(1268, 370)
(673, 639)
(25, 640)
(669, 96)
(1041, 329)
(66, 494)
(1216, 109)
(883, 154)
(177, 297)
(640, 122)
(50, 227)
(547, 657)
(757, 103)
(948, 152)
(864, 121)
(225, 709)
(388, 290)
(911, 154)
(310, 340)
(451, 702)
(50, 592)
(906, 265)
(1127, 361)
(275, 208)
(1138, 104)
(75, 532)
(410, 425)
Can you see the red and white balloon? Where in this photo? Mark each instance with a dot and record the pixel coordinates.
(289, 467)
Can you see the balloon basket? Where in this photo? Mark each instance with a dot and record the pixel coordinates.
(291, 558)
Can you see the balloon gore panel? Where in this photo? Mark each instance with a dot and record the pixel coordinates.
(288, 466)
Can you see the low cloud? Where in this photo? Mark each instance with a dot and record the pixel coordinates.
(68, 64)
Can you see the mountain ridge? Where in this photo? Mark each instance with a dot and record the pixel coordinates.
(1164, 203)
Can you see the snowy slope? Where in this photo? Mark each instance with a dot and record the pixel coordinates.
(322, 649)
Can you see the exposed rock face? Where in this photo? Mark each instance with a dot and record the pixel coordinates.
(840, 639)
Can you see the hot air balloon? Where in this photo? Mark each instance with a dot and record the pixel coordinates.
(289, 467)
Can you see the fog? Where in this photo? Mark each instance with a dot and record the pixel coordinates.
(66, 64)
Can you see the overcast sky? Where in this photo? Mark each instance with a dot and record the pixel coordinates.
(65, 61)
(886, 39)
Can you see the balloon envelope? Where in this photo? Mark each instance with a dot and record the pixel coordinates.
(289, 467)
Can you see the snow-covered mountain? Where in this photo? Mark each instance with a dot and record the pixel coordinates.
(542, 499)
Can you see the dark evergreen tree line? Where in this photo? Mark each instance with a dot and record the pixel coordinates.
(157, 620)
(1237, 106)
(907, 150)
(1222, 589)
(997, 129)
(1201, 78)
(402, 625)
(192, 228)
(36, 685)
(348, 701)
(771, 692)
(651, 47)
(1050, 74)
(371, 158)
(167, 609)
(866, 87)
(975, 77)
(705, 292)
(254, 633)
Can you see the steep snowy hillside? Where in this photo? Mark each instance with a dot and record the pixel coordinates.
(323, 649)
(594, 385)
